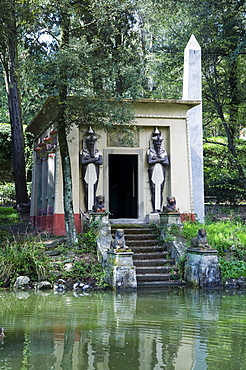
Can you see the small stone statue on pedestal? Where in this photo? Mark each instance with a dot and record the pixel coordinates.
(171, 206)
(99, 204)
(200, 242)
(119, 241)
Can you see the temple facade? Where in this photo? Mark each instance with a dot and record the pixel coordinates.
(135, 177)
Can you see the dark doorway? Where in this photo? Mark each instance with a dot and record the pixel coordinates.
(123, 185)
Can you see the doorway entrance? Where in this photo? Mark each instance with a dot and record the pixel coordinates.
(123, 185)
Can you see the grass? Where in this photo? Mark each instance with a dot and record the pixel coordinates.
(27, 254)
(8, 215)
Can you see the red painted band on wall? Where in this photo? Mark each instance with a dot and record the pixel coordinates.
(54, 224)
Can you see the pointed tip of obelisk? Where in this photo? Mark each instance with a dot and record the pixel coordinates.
(193, 44)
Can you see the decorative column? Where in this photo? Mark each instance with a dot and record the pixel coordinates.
(37, 191)
(44, 184)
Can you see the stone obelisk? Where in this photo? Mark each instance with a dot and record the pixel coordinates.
(192, 90)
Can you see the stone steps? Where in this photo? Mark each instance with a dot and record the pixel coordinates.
(153, 277)
(150, 262)
(151, 256)
(155, 270)
(154, 267)
(140, 237)
(146, 249)
(161, 284)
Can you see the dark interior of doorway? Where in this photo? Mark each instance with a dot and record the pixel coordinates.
(123, 185)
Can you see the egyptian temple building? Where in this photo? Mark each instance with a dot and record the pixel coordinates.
(123, 172)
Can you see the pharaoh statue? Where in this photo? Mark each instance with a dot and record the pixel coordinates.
(171, 206)
(200, 242)
(91, 159)
(157, 159)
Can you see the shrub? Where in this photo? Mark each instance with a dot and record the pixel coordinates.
(22, 259)
(8, 215)
(7, 191)
(87, 241)
(86, 268)
(232, 269)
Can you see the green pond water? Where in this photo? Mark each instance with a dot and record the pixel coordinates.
(165, 329)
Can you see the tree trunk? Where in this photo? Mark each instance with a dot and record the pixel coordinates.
(62, 137)
(67, 180)
(10, 63)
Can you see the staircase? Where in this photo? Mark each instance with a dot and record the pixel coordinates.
(154, 267)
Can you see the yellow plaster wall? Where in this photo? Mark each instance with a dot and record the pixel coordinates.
(171, 121)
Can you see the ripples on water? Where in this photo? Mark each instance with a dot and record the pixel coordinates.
(166, 329)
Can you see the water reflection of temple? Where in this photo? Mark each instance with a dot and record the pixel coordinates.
(175, 329)
(123, 331)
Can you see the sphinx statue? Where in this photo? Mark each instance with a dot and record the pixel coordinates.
(200, 242)
(119, 241)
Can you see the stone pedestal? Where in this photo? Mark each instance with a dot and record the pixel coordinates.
(101, 218)
(153, 218)
(104, 234)
(121, 273)
(167, 220)
(170, 218)
(201, 268)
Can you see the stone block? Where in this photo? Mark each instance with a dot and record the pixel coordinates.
(170, 218)
(201, 268)
(153, 218)
(121, 273)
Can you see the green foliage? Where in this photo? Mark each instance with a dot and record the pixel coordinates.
(8, 215)
(190, 229)
(21, 258)
(86, 268)
(87, 241)
(6, 148)
(232, 269)
(4, 236)
(133, 49)
(228, 237)
(25, 255)
(219, 27)
(181, 266)
(8, 196)
(7, 191)
(5, 145)
(224, 184)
